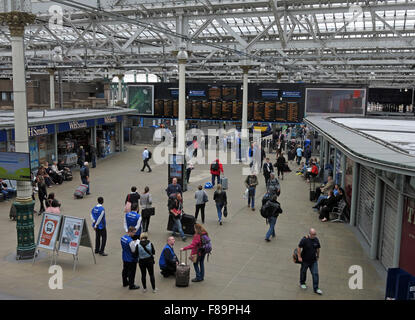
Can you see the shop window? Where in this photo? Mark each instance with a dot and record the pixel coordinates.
(4, 96)
(410, 182)
(11, 96)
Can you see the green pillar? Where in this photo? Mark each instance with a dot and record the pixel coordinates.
(25, 229)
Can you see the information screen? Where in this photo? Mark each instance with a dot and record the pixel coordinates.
(269, 94)
(15, 166)
(197, 93)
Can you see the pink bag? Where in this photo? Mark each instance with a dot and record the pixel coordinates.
(127, 207)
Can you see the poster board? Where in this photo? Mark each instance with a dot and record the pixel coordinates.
(71, 233)
(49, 231)
(141, 98)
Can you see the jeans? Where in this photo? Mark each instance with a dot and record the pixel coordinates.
(200, 267)
(271, 232)
(85, 181)
(213, 179)
(320, 198)
(219, 207)
(251, 197)
(299, 160)
(177, 226)
(314, 272)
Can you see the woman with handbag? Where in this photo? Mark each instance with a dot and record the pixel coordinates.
(146, 254)
(132, 197)
(146, 210)
(197, 255)
(201, 199)
(221, 201)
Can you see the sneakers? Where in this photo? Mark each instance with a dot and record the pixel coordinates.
(155, 290)
(303, 286)
(318, 291)
(144, 290)
(267, 240)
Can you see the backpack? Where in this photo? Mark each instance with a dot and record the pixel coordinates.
(149, 154)
(82, 171)
(206, 247)
(265, 213)
(295, 256)
(215, 166)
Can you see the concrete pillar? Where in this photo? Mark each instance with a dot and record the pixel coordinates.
(355, 187)
(376, 218)
(181, 125)
(24, 204)
(94, 136)
(398, 223)
(55, 142)
(122, 135)
(135, 76)
(343, 168)
(52, 87)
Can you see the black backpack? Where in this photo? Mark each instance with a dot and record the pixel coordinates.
(265, 213)
(215, 166)
(149, 154)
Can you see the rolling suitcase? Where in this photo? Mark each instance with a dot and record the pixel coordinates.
(312, 190)
(80, 191)
(224, 183)
(188, 224)
(13, 213)
(182, 272)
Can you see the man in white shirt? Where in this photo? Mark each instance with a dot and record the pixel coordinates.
(146, 158)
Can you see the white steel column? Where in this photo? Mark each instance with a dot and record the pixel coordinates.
(120, 99)
(245, 70)
(181, 124)
(52, 87)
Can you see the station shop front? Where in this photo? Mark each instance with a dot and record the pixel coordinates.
(61, 141)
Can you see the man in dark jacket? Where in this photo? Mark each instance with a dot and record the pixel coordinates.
(280, 165)
(328, 206)
(274, 209)
(251, 182)
(174, 187)
(175, 206)
(168, 259)
(267, 169)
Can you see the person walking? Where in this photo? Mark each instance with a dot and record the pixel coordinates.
(201, 199)
(146, 201)
(168, 260)
(221, 201)
(273, 186)
(189, 169)
(129, 258)
(308, 254)
(274, 208)
(146, 159)
(267, 169)
(197, 255)
(146, 254)
(281, 165)
(42, 193)
(299, 152)
(175, 206)
(99, 224)
(81, 156)
(133, 219)
(251, 182)
(132, 197)
(215, 170)
(85, 176)
(93, 153)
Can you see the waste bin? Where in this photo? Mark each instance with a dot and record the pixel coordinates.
(400, 285)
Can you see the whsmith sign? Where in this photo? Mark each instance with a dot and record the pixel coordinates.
(74, 125)
(109, 120)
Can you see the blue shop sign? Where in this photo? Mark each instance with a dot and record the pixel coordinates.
(109, 120)
(75, 125)
(291, 94)
(37, 131)
(3, 135)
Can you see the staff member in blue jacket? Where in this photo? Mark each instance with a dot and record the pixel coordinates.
(99, 224)
(133, 219)
(168, 259)
(129, 259)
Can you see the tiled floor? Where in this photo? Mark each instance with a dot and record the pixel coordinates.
(242, 265)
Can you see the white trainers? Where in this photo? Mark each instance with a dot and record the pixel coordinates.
(318, 291)
(303, 286)
(155, 290)
(144, 290)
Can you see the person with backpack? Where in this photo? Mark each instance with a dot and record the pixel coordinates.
(270, 211)
(201, 199)
(280, 165)
(146, 254)
(215, 169)
(146, 158)
(273, 186)
(307, 154)
(132, 197)
(200, 246)
(85, 176)
(221, 201)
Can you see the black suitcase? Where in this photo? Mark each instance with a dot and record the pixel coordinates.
(13, 214)
(182, 272)
(312, 190)
(188, 224)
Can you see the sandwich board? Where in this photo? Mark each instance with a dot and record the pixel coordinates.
(49, 233)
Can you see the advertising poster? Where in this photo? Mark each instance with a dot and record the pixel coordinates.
(15, 166)
(141, 98)
(71, 235)
(49, 231)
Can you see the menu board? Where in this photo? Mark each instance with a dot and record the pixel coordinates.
(49, 230)
(214, 93)
(71, 235)
(228, 93)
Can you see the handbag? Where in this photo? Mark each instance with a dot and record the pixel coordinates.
(193, 258)
(225, 211)
(148, 212)
(205, 197)
(127, 207)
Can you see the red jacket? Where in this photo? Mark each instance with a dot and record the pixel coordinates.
(195, 245)
(216, 173)
(314, 169)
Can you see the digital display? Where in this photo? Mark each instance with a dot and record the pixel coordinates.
(197, 93)
(15, 166)
(214, 93)
(174, 93)
(291, 94)
(229, 93)
(269, 94)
